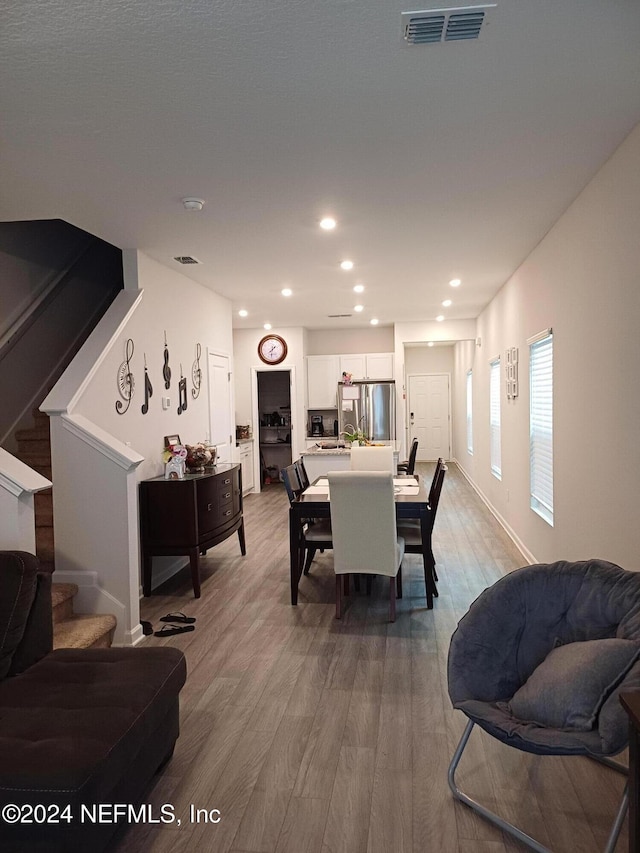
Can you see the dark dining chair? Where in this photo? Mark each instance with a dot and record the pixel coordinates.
(409, 465)
(412, 534)
(302, 472)
(316, 532)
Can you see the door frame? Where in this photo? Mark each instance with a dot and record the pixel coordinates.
(255, 416)
(407, 413)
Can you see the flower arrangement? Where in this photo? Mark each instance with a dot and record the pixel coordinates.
(353, 435)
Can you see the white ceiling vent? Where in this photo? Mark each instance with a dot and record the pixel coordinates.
(186, 259)
(333, 316)
(438, 25)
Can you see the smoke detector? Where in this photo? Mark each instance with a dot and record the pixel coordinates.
(432, 26)
(193, 203)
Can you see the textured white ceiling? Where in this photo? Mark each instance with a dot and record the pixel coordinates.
(437, 160)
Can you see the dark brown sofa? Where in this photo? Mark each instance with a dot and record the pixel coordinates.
(78, 727)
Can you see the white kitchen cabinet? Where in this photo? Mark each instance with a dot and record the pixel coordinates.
(380, 365)
(246, 460)
(373, 365)
(356, 365)
(323, 375)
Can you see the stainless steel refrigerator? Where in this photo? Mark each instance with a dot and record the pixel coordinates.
(369, 407)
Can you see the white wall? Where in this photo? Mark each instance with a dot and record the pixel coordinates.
(197, 316)
(95, 494)
(339, 341)
(425, 359)
(583, 280)
(246, 361)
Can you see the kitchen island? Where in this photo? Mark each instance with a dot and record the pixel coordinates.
(318, 461)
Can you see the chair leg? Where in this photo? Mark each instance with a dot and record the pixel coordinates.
(311, 552)
(512, 830)
(399, 583)
(345, 580)
(338, 597)
(369, 582)
(392, 599)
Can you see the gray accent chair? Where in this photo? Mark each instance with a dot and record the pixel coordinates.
(539, 661)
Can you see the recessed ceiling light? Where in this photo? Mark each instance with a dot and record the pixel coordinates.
(358, 308)
(267, 326)
(286, 291)
(359, 288)
(430, 344)
(328, 223)
(455, 282)
(447, 303)
(243, 312)
(374, 321)
(440, 318)
(346, 265)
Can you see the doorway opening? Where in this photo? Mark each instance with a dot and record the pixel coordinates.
(274, 423)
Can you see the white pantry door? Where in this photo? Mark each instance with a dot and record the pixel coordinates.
(219, 381)
(429, 415)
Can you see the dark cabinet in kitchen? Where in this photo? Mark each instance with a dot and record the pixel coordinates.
(189, 516)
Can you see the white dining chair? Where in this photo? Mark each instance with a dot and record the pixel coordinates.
(363, 522)
(372, 458)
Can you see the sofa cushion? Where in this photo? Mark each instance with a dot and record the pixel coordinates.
(18, 571)
(567, 690)
(73, 723)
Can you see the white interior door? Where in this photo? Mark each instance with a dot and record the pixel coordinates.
(219, 377)
(429, 415)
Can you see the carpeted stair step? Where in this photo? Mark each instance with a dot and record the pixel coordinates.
(62, 595)
(84, 632)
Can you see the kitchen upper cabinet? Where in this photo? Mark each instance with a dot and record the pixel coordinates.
(380, 365)
(375, 365)
(356, 365)
(323, 375)
(325, 371)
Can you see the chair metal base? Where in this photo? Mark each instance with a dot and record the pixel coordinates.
(512, 830)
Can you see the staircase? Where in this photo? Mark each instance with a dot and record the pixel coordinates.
(75, 631)
(70, 630)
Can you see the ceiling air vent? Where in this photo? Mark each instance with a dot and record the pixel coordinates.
(186, 259)
(438, 25)
(333, 316)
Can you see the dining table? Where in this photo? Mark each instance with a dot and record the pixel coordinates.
(411, 499)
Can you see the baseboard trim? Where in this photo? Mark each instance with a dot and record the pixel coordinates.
(527, 555)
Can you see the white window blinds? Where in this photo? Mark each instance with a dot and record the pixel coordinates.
(494, 415)
(469, 411)
(541, 426)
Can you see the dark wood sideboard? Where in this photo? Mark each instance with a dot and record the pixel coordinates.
(189, 516)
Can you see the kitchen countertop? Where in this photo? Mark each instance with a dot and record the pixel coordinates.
(329, 451)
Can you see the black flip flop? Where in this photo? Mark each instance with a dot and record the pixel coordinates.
(178, 617)
(170, 630)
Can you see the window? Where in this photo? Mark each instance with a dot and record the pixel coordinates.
(494, 419)
(541, 424)
(470, 412)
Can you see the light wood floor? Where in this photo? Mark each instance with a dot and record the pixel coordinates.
(311, 734)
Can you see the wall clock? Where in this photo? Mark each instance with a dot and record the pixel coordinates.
(272, 349)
